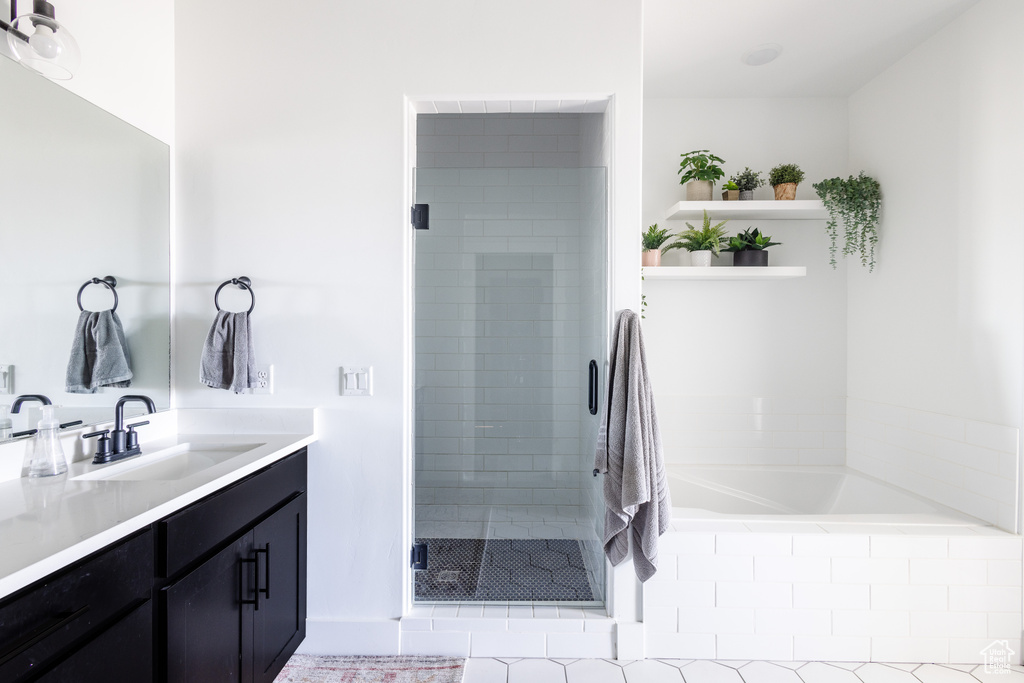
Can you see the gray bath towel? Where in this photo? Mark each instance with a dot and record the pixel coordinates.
(99, 354)
(629, 454)
(228, 360)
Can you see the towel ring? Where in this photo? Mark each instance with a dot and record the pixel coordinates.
(242, 283)
(110, 282)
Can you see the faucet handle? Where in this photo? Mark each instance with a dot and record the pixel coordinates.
(133, 437)
(103, 449)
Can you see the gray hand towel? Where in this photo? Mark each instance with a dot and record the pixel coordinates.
(629, 454)
(99, 354)
(228, 360)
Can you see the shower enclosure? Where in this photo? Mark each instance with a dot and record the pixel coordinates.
(510, 310)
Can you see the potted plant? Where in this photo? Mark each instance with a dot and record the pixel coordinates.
(730, 191)
(652, 241)
(702, 242)
(747, 181)
(749, 248)
(698, 172)
(784, 178)
(857, 202)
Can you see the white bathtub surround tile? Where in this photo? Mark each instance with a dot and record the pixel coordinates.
(690, 645)
(955, 461)
(894, 649)
(794, 622)
(870, 623)
(831, 545)
(823, 648)
(866, 601)
(753, 430)
(763, 646)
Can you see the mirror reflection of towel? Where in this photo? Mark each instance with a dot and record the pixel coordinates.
(99, 354)
(228, 360)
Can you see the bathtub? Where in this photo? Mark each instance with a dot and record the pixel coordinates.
(810, 494)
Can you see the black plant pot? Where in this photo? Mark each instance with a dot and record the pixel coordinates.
(750, 257)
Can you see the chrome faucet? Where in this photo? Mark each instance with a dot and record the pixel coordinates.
(121, 443)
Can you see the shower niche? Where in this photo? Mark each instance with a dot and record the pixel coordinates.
(511, 306)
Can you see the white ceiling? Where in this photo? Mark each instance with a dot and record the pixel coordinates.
(692, 48)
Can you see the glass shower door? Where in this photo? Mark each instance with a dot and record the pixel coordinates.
(510, 309)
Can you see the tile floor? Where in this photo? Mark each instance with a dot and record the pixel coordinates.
(500, 569)
(703, 671)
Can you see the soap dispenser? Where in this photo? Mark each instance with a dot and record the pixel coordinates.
(6, 425)
(47, 458)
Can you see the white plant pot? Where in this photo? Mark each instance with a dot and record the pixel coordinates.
(700, 258)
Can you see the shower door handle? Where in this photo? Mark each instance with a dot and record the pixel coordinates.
(592, 393)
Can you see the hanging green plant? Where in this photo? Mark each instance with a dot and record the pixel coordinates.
(856, 202)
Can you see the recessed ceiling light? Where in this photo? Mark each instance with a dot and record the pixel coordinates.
(762, 54)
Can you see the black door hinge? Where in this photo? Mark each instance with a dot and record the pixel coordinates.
(419, 556)
(420, 216)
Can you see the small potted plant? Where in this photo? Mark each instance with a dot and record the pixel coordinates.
(784, 178)
(857, 203)
(730, 191)
(748, 181)
(698, 171)
(652, 241)
(702, 242)
(749, 248)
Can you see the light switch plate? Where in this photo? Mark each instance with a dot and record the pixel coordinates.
(6, 379)
(356, 380)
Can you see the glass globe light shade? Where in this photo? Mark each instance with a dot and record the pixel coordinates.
(41, 44)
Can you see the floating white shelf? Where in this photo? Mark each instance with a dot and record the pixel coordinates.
(723, 272)
(759, 210)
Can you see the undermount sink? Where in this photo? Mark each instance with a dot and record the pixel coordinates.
(171, 464)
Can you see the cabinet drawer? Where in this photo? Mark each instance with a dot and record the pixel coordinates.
(192, 533)
(123, 652)
(50, 618)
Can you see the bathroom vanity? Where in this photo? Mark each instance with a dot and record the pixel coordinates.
(190, 564)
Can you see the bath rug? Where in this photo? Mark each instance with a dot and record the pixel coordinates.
(404, 669)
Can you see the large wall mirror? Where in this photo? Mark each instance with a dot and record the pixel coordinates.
(82, 195)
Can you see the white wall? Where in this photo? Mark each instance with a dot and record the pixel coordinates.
(292, 170)
(938, 327)
(748, 372)
(127, 58)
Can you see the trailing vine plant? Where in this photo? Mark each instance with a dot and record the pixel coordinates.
(857, 203)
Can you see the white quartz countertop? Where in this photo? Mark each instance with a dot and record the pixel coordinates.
(48, 523)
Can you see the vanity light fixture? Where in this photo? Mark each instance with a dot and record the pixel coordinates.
(40, 43)
(762, 54)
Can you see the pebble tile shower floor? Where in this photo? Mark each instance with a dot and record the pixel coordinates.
(503, 569)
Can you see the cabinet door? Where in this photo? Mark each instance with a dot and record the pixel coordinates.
(209, 629)
(123, 652)
(280, 621)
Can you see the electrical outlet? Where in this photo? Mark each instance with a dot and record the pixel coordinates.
(356, 380)
(265, 380)
(6, 379)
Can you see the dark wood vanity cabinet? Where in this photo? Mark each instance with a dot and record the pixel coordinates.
(213, 592)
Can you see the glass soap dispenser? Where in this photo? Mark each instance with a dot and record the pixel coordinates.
(47, 455)
(6, 425)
